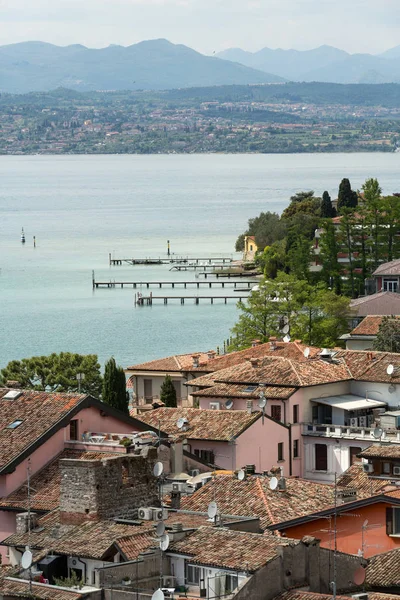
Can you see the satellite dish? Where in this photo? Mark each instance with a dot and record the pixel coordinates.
(160, 529)
(241, 475)
(26, 560)
(377, 432)
(306, 352)
(273, 484)
(285, 329)
(365, 523)
(158, 469)
(164, 542)
(262, 401)
(390, 370)
(212, 510)
(287, 339)
(158, 595)
(359, 576)
(180, 423)
(229, 404)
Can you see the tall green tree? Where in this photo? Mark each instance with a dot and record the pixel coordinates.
(168, 392)
(388, 337)
(347, 198)
(329, 249)
(273, 259)
(114, 386)
(391, 225)
(56, 373)
(324, 316)
(266, 228)
(372, 196)
(299, 253)
(327, 209)
(347, 234)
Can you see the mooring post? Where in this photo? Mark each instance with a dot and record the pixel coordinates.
(93, 285)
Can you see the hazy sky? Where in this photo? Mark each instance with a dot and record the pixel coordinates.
(206, 25)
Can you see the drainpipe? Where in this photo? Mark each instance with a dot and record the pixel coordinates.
(290, 450)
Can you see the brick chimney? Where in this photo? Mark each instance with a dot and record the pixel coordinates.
(272, 343)
(255, 343)
(22, 522)
(196, 360)
(254, 362)
(14, 385)
(211, 354)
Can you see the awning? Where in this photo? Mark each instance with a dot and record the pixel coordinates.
(350, 402)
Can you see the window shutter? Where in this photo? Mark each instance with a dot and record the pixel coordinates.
(389, 521)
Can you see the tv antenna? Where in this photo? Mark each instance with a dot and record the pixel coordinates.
(229, 404)
(273, 484)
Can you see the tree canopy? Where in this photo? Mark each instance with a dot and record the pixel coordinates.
(114, 386)
(388, 337)
(315, 314)
(56, 373)
(347, 198)
(168, 392)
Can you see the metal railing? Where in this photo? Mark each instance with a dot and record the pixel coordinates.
(347, 431)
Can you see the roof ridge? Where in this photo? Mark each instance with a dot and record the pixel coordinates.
(373, 363)
(295, 370)
(258, 483)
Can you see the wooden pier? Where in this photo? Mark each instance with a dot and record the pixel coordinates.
(170, 260)
(141, 300)
(160, 284)
(195, 266)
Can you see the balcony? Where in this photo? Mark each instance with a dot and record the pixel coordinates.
(348, 432)
(111, 442)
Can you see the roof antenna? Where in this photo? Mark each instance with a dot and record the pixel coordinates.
(26, 561)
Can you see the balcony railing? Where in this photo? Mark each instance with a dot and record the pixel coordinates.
(346, 431)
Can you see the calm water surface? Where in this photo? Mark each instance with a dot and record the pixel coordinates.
(80, 208)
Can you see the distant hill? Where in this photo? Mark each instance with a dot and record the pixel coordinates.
(325, 64)
(154, 64)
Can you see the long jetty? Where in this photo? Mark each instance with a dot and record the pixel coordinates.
(141, 300)
(169, 260)
(172, 284)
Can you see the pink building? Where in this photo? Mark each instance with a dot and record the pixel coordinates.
(35, 427)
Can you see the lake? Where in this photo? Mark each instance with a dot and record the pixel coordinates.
(81, 208)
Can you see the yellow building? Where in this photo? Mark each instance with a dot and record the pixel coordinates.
(250, 244)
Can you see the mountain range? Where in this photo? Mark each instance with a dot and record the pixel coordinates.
(324, 64)
(153, 64)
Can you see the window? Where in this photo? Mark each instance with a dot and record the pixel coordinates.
(276, 412)
(386, 468)
(148, 389)
(231, 583)
(390, 285)
(296, 413)
(354, 450)
(207, 455)
(393, 521)
(14, 424)
(73, 429)
(295, 448)
(321, 457)
(280, 451)
(192, 574)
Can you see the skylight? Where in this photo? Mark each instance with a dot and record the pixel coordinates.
(250, 388)
(12, 395)
(14, 424)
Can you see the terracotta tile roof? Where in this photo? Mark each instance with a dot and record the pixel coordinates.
(284, 372)
(38, 411)
(380, 451)
(253, 497)
(366, 365)
(368, 326)
(226, 390)
(383, 569)
(355, 477)
(133, 545)
(300, 595)
(227, 549)
(381, 303)
(20, 589)
(45, 484)
(388, 268)
(221, 425)
(178, 362)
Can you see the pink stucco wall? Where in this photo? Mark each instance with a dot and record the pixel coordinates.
(258, 445)
(7, 527)
(222, 451)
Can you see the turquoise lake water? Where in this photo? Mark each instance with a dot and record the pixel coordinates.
(80, 208)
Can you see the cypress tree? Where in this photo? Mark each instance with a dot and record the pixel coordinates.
(327, 210)
(168, 393)
(347, 198)
(114, 386)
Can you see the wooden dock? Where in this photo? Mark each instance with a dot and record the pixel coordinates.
(141, 300)
(160, 284)
(170, 260)
(195, 266)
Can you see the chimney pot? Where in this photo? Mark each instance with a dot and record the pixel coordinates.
(255, 343)
(211, 354)
(272, 343)
(254, 362)
(14, 385)
(196, 360)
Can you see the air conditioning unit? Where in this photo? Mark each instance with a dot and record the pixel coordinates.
(362, 596)
(354, 422)
(363, 421)
(146, 514)
(194, 472)
(368, 468)
(178, 488)
(160, 514)
(215, 405)
(396, 470)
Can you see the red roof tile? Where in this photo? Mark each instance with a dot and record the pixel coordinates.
(383, 570)
(356, 478)
(226, 390)
(20, 589)
(388, 268)
(221, 425)
(368, 326)
(380, 451)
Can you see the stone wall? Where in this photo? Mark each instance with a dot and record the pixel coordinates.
(107, 488)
